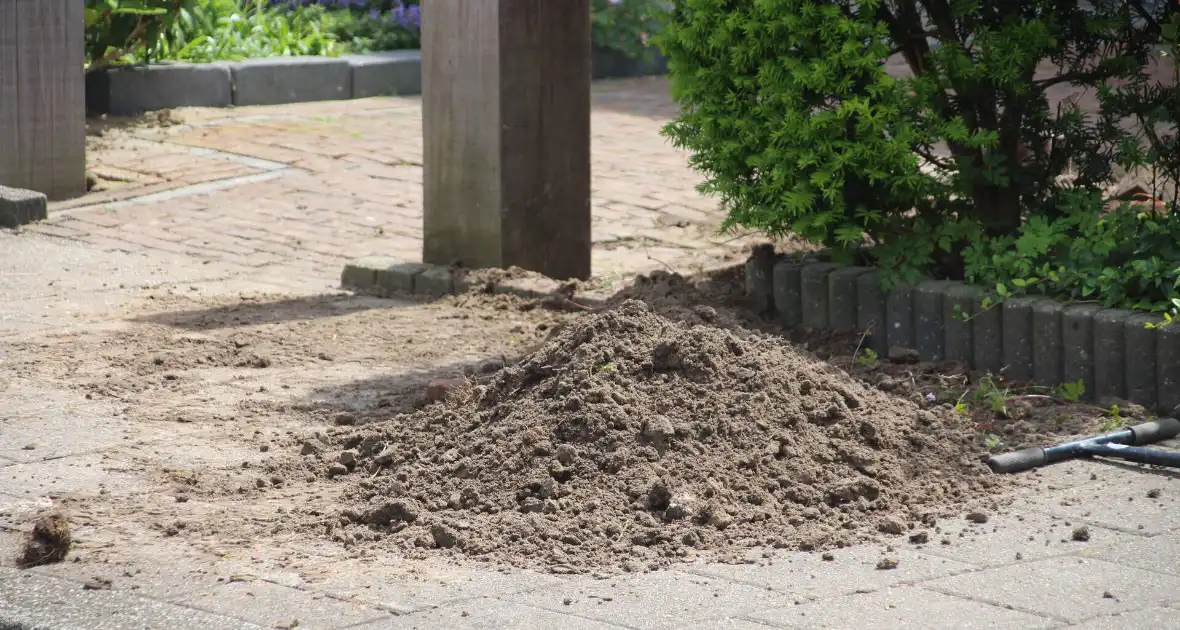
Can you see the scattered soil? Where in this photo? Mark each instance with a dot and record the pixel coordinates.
(47, 542)
(634, 440)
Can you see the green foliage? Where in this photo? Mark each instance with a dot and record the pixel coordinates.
(625, 25)
(116, 29)
(219, 30)
(868, 358)
(1114, 420)
(959, 170)
(1072, 392)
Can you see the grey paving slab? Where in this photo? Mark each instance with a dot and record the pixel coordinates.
(1067, 588)
(29, 601)
(89, 474)
(393, 585)
(665, 599)
(1010, 538)
(487, 612)
(1157, 553)
(32, 417)
(727, 623)
(1147, 619)
(907, 607)
(270, 605)
(853, 569)
(1119, 500)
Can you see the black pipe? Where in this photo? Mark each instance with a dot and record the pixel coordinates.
(1037, 456)
(1137, 454)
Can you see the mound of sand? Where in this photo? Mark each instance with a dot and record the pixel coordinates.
(633, 441)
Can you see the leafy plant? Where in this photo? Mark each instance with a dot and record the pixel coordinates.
(989, 393)
(626, 25)
(868, 358)
(126, 28)
(1114, 420)
(993, 442)
(1072, 392)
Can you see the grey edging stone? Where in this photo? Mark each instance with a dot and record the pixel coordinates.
(815, 294)
(278, 80)
(1167, 352)
(987, 334)
(1110, 353)
(389, 73)
(842, 298)
(1047, 352)
(958, 307)
(1077, 346)
(133, 90)
(30, 601)
(929, 327)
(870, 312)
(1017, 323)
(788, 292)
(760, 279)
(19, 206)
(386, 276)
(1142, 379)
(899, 317)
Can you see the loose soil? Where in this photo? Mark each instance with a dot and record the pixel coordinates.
(634, 440)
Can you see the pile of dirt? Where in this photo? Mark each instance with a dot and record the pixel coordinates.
(631, 440)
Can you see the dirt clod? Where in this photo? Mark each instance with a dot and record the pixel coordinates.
(887, 564)
(1154, 493)
(1081, 534)
(977, 517)
(629, 438)
(47, 542)
(920, 538)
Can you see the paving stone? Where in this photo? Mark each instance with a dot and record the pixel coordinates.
(727, 623)
(277, 80)
(1018, 337)
(854, 569)
(788, 292)
(1110, 353)
(1032, 535)
(436, 281)
(664, 599)
(29, 601)
(1157, 553)
(987, 335)
(393, 585)
(842, 296)
(1047, 349)
(389, 73)
(32, 417)
(1066, 588)
(870, 311)
(90, 474)
(489, 613)
(269, 605)
(1142, 373)
(928, 320)
(907, 607)
(19, 206)
(899, 316)
(958, 305)
(133, 90)
(1077, 342)
(362, 274)
(1119, 501)
(815, 294)
(1147, 619)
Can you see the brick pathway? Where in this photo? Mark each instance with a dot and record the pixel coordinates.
(303, 188)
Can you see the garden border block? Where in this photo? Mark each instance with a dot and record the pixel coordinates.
(842, 298)
(1110, 353)
(929, 331)
(1077, 346)
(814, 286)
(788, 291)
(1017, 323)
(388, 73)
(435, 280)
(899, 317)
(870, 311)
(1047, 352)
(279, 80)
(1167, 352)
(133, 90)
(760, 278)
(987, 335)
(958, 304)
(1142, 378)
(19, 207)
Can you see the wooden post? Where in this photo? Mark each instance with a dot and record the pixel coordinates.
(43, 97)
(506, 120)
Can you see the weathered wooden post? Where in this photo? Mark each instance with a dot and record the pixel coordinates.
(506, 120)
(43, 97)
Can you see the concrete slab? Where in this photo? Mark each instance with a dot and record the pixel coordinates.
(904, 608)
(665, 599)
(853, 569)
(1067, 588)
(1014, 538)
(29, 601)
(1147, 619)
(489, 613)
(389, 584)
(90, 474)
(1119, 502)
(31, 428)
(270, 605)
(1157, 553)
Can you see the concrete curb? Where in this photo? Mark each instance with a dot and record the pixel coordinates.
(133, 90)
(19, 206)
(1029, 338)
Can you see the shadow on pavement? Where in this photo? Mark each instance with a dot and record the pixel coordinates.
(247, 312)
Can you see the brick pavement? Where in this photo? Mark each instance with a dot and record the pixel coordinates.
(300, 189)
